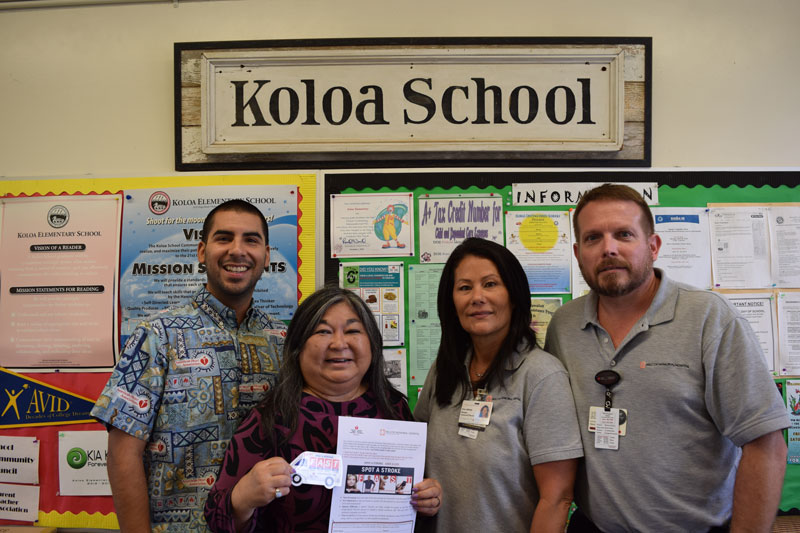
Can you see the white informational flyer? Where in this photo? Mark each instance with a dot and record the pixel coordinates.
(446, 220)
(541, 242)
(19, 502)
(542, 310)
(579, 285)
(395, 360)
(784, 232)
(383, 459)
(760, 310)
(381, 286)
(740, 248)
(685, 253)
(82, 457)
(424, 329)
(789, 332)
(372, 225)
(19, 460)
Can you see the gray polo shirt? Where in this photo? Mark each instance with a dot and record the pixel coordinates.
(696, 387)
(487, 482)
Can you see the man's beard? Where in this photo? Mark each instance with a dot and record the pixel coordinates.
(612, 285)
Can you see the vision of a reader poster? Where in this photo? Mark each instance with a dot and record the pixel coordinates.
(58, 257)
(160, 234)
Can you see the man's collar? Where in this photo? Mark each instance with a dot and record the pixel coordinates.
(220, 311)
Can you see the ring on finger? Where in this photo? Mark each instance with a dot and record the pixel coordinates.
(438, 501)
(278, 493)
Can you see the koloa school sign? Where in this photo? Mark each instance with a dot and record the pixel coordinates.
(430, 101)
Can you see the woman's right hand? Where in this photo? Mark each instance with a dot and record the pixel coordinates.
(267, 480)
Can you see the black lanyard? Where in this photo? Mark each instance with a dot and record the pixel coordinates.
(607, 378)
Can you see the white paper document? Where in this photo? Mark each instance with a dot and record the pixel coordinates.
(685, 253)
(789, 323)
(383, 459)
(784, 233)
(82, 457)
(19, 502)
(760, 311)
(740, 251)
(19, 459)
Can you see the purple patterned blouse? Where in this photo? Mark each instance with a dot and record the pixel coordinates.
(307, 507)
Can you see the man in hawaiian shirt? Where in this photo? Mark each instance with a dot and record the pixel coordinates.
(187, 377)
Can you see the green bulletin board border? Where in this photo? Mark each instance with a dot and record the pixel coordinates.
(739, 187)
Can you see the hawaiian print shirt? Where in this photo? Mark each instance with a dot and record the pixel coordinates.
(185, 379)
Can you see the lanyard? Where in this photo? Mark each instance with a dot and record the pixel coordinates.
(607, 378)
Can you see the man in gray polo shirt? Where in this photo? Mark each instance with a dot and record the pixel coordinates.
(680, 419)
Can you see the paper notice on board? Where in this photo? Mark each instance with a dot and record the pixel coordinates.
(789, 332)
(541, 242)
(760, 311)
(740, 249)
(383, 460)
(424, 329)
(19, 502)
(446, 220)
(685, 253)
(784, 227)
(82, 463)
(19, 459)
(381, 286)
(372, 225)
(160, 236)
(579, 285)
(58, 258)
(542, 310)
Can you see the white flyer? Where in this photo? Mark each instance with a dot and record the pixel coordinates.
(372, 225)
(784, 231)
(740, 248)
(383, 460)
(760, 310)
(19, 502)
(82, 457)
(685, 253)
(789, 332)
(579, 285)
(19, 459)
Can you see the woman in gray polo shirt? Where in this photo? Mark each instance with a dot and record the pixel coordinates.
(513, 470)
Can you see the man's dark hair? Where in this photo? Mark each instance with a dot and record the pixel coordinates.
(239, 206)
(456, 342)
(612, 192)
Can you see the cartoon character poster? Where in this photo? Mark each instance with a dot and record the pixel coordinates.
(372, 225)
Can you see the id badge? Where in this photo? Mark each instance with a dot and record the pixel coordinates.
(606, 434)
(475, 413)
(474, 417)
(623, 420)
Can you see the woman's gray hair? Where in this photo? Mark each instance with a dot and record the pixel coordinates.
(284, 398)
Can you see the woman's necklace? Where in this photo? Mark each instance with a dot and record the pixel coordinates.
(479, 374)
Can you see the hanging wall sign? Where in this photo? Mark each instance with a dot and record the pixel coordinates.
(332, 102)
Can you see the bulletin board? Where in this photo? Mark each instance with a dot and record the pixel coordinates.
(675, 189)
(84, 387)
